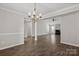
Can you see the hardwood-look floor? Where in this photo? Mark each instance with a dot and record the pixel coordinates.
(46, 45)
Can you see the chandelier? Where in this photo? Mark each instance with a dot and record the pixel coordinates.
(34, 16)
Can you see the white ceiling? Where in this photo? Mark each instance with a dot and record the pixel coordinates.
(43, 8)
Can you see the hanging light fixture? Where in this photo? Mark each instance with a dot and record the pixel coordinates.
(34, 16)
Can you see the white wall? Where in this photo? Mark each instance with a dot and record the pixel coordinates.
(70, 29)
(11, 29)
(27, 29)
(42, 27)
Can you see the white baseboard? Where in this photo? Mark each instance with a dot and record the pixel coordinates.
(76, 45)
(8, 40)
(41, 34)
(11, 46)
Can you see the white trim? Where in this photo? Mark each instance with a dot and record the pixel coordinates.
(63, 11)
(41, 34)
(51, 14)
(10, 33)
(4, 43)
(76, 45)
(11, 46)
(12, 11)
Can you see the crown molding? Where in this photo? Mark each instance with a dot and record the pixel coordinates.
(12, 11)
(48, 15)
(64, 11)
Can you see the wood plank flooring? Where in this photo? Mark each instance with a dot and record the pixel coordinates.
(46, 45)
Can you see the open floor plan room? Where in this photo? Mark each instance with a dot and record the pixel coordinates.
(39, 29)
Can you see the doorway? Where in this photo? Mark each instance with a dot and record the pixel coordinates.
(52, 29)
(54, 33)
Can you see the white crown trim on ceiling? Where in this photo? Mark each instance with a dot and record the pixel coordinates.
(59, 12)
(63, 11)
(12, 11)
